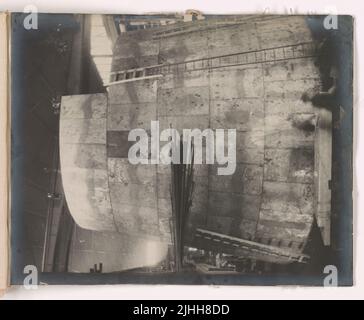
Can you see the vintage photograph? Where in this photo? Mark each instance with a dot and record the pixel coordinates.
(182, 148)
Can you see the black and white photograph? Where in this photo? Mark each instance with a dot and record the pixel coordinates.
(181, 146)
(181, 149)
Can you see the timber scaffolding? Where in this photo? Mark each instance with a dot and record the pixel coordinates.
(276, 54)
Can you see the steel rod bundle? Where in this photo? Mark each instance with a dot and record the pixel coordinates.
(181, 197)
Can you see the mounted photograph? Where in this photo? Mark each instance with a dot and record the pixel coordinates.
(181, 148)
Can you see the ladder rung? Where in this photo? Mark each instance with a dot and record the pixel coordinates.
(301, 50)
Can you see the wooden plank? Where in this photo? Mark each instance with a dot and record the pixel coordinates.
(323, 151)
